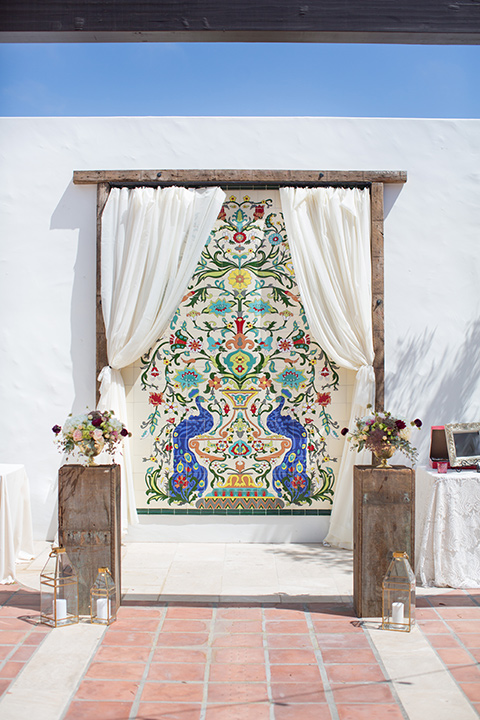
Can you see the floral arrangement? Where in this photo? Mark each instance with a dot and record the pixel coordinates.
(383, 434)
(90, 433)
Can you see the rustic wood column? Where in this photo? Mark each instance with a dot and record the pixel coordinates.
(89, 524)
(383, 523)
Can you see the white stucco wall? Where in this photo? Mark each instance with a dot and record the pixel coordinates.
(47, 258)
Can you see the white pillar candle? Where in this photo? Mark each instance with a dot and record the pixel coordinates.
(61, 609)
(103, 608)
(398, 609)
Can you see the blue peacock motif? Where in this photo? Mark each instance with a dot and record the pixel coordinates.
(188, 475)
(290, 478)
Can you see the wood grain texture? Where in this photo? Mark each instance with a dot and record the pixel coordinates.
(378, 294)
(407, 21)
(103, 190)
(243, 177)
(383, 523)
(89, 524)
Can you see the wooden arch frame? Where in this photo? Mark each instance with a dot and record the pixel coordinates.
(257, 179)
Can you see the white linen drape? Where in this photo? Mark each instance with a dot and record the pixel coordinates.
(152, 240)
(328, 231)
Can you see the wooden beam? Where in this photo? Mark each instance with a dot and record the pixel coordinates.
(103, 190)
(338, 21)
(376, 195)
(242, 178)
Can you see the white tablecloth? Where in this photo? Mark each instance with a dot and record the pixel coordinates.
(447, 520)
(16, 536)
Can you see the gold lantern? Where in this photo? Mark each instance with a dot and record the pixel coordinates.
(398, 595)
(58, 590)
(103, 605)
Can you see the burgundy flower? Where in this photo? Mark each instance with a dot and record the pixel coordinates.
(124, 432)
(400, 424)
(418, 423)
(96, 422)
(56, 429)
(259, 211)
(343, 431)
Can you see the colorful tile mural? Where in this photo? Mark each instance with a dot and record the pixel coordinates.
(235, 403)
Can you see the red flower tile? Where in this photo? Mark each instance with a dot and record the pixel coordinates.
(116, 671)
(172, 692)
(369, 712)
(230, 672)
(237, 693)
(81, 710)
(107, 690)
(182, 672)
(168, 711)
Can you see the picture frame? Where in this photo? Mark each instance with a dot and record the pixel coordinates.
(463, 443)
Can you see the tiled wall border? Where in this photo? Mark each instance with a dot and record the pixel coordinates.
(239, 511)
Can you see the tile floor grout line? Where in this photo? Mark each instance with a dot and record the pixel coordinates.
(447, 667)
(208, 663)
(143, 679)
(332, 705)
(268, 670)
(388, 680)
(81, 678)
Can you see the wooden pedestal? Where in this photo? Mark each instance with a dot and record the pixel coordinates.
(89, 524)
(383, 523)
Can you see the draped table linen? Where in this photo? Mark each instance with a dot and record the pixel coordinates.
(16, 533)
(448, 528)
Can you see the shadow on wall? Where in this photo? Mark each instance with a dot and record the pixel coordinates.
(444, 391)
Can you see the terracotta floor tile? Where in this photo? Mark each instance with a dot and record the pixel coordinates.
(465, 626)
(337, 655)
(369, 712)
(289, 641)
(295, 673)
(433, 627)
(116, 671)
(343, 641)
(443, 641)
(466, 674)
(475, 652)
(122, 654)
(307, 712)
(288, 613)
(140, 612)
(238, 712)
(107, 690)
(172, 692)
(238, 626)
(362, 693)
(36, 637)
(472, 691)
(194, 613)
(181, 639)
(179, 655)
(295, 693)
(354, 673)
(183, 672)
(287, 657)
(138, 624)
(117, 637)
(11, 669)
(237, 673)
(11, 611)
(4, 684)
(184, 625)
(339, 626)
(79, 710)
(6, 650)
(239, 613)
(427, 613)
(238, 655)
(454, 599)
(454, 656)
(169, 711)
(459, 613)
(469, 640)
(334, 615)
(286, 626)
(8, 637)
(14, 623)
(251, 640)
(237, 693)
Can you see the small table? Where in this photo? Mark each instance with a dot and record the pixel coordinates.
(448, 528)
(16, 534)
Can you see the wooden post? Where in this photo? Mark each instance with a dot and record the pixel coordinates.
(89, 524)
(383, 523)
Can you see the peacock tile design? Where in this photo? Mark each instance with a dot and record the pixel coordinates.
(239, 395)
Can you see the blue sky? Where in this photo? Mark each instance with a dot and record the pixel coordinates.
(240, 79)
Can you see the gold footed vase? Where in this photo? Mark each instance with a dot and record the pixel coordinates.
(383, 455)
(91, 450)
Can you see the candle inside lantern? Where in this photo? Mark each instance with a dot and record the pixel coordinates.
(61, 609)
(398, 610)
(103, 608)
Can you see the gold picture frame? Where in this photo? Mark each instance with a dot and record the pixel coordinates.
(463, 443)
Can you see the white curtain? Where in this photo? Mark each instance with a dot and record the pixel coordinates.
(152, 240)
(328, 231)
